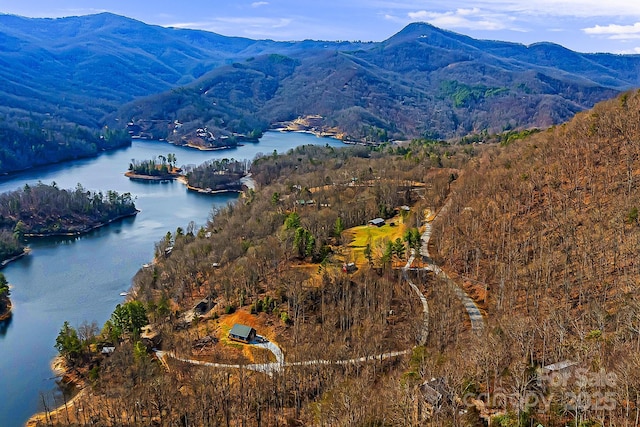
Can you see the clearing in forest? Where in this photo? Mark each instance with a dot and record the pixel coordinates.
(375, 236)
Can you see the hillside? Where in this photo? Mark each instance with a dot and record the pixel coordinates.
(61, 77)
(544, 233)
(65, 79)
(422, 82)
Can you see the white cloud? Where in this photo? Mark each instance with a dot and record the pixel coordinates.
(634, 51)
(561, 8)
(251, 26)
(615, 32)
(259, 3)
(470, 18)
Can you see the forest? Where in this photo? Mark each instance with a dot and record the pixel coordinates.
(272, 260)
(161, 167)
(541, 233)
(42, 210)
(217, 175)
(29, 142)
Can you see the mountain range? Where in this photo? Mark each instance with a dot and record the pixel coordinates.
(65, 79)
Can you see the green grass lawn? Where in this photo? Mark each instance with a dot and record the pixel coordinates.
(363, 234)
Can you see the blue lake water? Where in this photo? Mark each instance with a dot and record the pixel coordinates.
(80, 279)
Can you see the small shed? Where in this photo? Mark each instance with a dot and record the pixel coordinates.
(378, 222)
(242, 333)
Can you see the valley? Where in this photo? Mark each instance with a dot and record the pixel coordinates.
(460, 250)
(73, 95)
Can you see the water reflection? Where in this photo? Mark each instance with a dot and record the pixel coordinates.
(5, 324)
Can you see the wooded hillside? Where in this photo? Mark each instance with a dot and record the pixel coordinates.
(540, 232)
(545, 234)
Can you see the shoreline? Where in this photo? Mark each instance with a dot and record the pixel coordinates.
(201, 148)
(6, 262)
(83, 231)
(183, 180)
(140, 177)
(59, 368)
(319, 134)
(6, 315)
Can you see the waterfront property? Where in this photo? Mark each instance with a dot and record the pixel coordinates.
(242, 333)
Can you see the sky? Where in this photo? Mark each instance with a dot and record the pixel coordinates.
(581, 25)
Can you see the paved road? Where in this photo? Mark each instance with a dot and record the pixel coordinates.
(270, 368)
(425, 306)
(475, 316)
(477, 321)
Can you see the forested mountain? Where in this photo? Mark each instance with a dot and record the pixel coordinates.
(62, 76)
(422, 82)
(64, 79)
(544, 233)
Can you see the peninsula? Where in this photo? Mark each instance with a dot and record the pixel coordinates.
(45, 210)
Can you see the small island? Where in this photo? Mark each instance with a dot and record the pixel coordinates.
(211, 177)
(160, 168)
(217, 176)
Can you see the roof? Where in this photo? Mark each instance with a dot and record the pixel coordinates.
(377, 221)
(242, 331)
(559, 366)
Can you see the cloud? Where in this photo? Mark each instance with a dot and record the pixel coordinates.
(259, 3)
(615, 31)
(470, 18)
(251, 26)
(558, 8)
(634, 51)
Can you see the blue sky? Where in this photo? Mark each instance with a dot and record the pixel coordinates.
(582, 25)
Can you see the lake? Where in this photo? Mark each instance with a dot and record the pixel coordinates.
(80, 279)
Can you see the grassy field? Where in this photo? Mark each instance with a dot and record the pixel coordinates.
(376, 236)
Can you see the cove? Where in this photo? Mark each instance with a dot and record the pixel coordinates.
(80, 279)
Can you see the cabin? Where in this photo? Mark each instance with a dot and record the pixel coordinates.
(203, 306)
(242, 333)
(107, 350)
(378, 222)
(559, 372)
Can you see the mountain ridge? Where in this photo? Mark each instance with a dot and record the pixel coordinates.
(421, 82)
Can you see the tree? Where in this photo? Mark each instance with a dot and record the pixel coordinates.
(68, 344)
(129, 318)
(412, 237)
(4, 292)
(4, 286)
(399, 249)
(368, 253)
(292, 221)
(338, 227)
(171, 158)
(18, 230)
